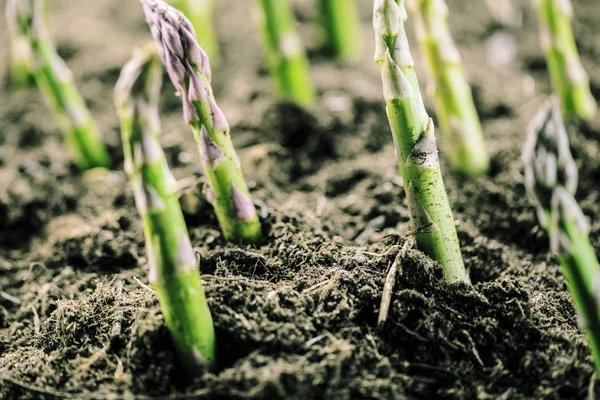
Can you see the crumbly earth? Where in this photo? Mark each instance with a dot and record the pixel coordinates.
(296, 316)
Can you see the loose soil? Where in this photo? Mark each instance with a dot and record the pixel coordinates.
(296, 316)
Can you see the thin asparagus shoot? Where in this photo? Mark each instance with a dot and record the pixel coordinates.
(570, 81)
(341, 26)
(551, 182)
(55, 81)
(452, 95)
(173, 268)
(189, 69)
(416, 149)
(200, 13)
(20, 58)
(285, 52)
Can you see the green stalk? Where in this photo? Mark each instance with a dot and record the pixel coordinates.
(413, 132)
(341, 25)
(200, 13)
(285, 52)
(173, 268)
(551, 182)
(452, 96)
(55, 81)
(189, 69)
(569, 79)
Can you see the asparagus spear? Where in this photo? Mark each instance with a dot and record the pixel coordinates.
(200, 14)
(551, 181)
(416, 149)
(285, 52)
(342, 27)
(189, 69)
(55, 81)
(452, 96)
(570, 80)
(173, 270)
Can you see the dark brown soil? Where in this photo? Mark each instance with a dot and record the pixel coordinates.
(296, 316)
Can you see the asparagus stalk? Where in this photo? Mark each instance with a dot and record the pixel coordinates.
(551, 182)
(342, 27)
(569, 79)
(55, 81)
(20, 61)
(416, 149)
(173, 270)
(452, 96)
(200, 14)
(189, 69)
(285, 52)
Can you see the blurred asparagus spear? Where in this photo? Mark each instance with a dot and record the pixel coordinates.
(452, 96)
(55, 81)
(189, 69)
(285, 52)
(551, 182)
(416, 149)
(570, 80)
(200, 13)
(341, 25)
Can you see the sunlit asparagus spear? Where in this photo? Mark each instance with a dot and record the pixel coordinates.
(285, 52)
(569, 79)
(551, 181)
(342, 27)
(416, 149)
(452, 96)
(200, 14)
(20, 57)
(55, 81)
(189, 69)
(173, 268)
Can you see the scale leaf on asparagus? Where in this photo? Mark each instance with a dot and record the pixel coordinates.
(173, 272)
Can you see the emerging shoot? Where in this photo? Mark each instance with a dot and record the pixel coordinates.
(570, 81)
(55, 81)
(551, 181)
(341, 26)
(413, 132)
(285, 52)
(173, 269)
(452, 95)
(189, 69)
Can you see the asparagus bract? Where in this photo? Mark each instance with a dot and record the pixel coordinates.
(173, 268)
(452, 96)
(569, 79)
(200, 14)
(189, 69)
(285, 52)
(342, 27)
(416, 149)
(551, 181)
(55, 81)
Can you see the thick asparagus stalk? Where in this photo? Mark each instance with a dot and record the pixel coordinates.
(416, 149)
(55, 81)
(342, 27)
(200, 14)
(189, 69)
(173, 268)
(551, 181)
(570, 80)
(285, 52)
(452, 96)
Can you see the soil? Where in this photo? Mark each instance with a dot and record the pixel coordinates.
(296, 316)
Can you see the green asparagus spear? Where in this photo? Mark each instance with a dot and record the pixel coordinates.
(416, 149)
(189, 69)
(342, 27)
(285, 52)
(200, 14)
(173, 270)
(55, 81)
(20, 61)
(453, 99)
(570, 80)
(551, 182)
